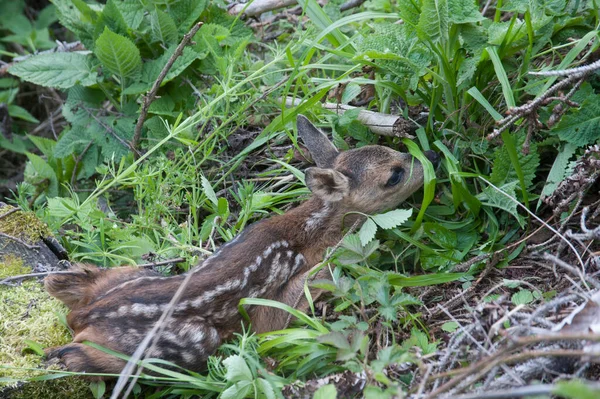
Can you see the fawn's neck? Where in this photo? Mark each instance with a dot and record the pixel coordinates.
(311, 227)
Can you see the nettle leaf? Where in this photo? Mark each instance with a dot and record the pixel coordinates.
(433, 22)
(132, 12)
(464, 11)
(163, 27)
(582, 126)
(111, 16)
(367, 232)
(118, 54)
(409, 12)
(237, 369)
(58, 70)
(392, 219)
(186, 12)
(69, 141)
(503, 171)
(491, 197)
(79, 18)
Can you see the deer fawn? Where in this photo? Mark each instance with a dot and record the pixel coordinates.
(270, 259)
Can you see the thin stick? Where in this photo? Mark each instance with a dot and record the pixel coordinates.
(148, 98)
(9, 212)
(31, 275)
(19, 241)
(163, 262)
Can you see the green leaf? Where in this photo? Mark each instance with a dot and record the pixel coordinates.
(450, 326)
(79, 18)
(208, 191)
(111, 16)
(336, 339)
(433, 22)
(439, 234)
(21, 113)
(582, 126)
(163, 27)
(42, 169)
(266, 388)
(118, 54)
(98, 388)
(132, 13)
(237, 390)
(503, 170)
(186, 13)
(35, 347)
(68, 141)
(576, 389)
(423, 280)
(522, 297)
(464, 11)
(237, 369)
(502, 77)
(326, 392)
(476, 94)
(392, 219)
(367, 232)
(59, 70)
(558, 171)
(491, 197)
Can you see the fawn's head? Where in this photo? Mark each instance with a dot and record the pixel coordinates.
(369, 179)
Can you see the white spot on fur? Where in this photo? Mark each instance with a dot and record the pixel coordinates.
(316, 218)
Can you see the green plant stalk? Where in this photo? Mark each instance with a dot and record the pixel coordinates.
(511, 148)
(177, 129)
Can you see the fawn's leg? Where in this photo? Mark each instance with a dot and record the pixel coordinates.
(83, 358)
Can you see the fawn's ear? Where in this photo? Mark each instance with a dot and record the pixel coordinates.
(327, 184)
(321, 149)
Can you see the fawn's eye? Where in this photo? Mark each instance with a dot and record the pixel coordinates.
(396, 177)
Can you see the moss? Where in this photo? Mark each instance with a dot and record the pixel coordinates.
(12, 265)
(28, 313)
(62, 388)
(23, 225)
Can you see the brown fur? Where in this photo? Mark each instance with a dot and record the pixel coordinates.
(270, 259)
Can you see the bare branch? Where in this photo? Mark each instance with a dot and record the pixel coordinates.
(151, 95)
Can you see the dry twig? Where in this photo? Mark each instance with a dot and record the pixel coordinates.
(151, 95)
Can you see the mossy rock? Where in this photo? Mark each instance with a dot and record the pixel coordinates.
(29, 314)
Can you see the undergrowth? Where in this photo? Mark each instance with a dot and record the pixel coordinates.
(218, 150)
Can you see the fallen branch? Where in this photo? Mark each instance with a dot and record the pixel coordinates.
(163, 262)
(574, 78)
(259, 7)
(7, 280)
(19, 241)
(351, 4)
(151, 95)
(377, 122)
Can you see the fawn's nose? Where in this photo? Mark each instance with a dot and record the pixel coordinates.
(433, 157)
